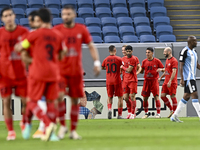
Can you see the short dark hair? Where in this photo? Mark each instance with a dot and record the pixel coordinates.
(150, 48)
(69, 7)
(111, 48)
(33, 14)
(129, 47)
(5, 9)
(45, 15)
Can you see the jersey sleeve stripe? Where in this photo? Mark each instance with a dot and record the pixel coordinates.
(183, 51)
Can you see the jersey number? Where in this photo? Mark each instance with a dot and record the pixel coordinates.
(49, 49)
(112, 68)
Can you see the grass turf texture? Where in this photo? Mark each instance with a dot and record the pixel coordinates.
(140, 134)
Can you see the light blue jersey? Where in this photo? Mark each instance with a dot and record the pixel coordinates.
(189, 57)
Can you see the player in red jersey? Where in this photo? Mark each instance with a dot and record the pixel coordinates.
(129, 67)
(170, 84)
(43, 74)
(112, 65)
(71, 67)
(12, 70)
(151, 85)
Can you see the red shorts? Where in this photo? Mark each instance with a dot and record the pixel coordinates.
(7, 85)
(171, 90)
(114, 90)
(150, 86)
(75, 85)
(130, 87)
(37, 89)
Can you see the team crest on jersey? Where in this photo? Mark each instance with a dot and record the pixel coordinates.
(79, 36)
(169, 64)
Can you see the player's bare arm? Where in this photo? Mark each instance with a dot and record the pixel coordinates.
(181, 73)
(160, 70)
(139, 69)
(129, 69)
(26, 57)
(198, 66)
(159, 79)
(142, 71)
(103, 68)
(172, 77)
(63, 52)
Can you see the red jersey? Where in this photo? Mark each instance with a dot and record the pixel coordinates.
(46, 44)
(74, 37)
(150, 67)
(170, 64)
(133, 61)
(11, 65)
(112, 64)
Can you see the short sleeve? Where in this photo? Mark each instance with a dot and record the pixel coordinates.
(137, 60)
(143, 64)
(86, 36)
(174, 64)
(160, 65)
(183, 55)
(103, 63)
(132, 62)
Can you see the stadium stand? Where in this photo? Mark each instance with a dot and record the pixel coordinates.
(4, 3)
(69, 2)
(85, 3)
(19, 4)
(103, 12)
(52, 4)
(55, 12)
(124, 21)
(164, 30)
(126, 30)
(79, 20)
(157, 12)
(112, 39)
(35, 3)
(110, 31)
(137, 12)
(24, 22)
(118, 3)
(130, 39)
(102, 3)
(136, 3)
(93, 22)
(95, 31)
(160, 21)
(143, 30)
(85, 12)
(155, 3)
(147, 39)
(19, 12)
(108, 21)
(29, 10)
(56, 21)
(167, 38)
(97, 39)
(120, 12)
(141, 21)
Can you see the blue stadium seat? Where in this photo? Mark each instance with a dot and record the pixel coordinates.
(54, 12)
(110, 31)
(160, 21)
(164, 30)
(19, 4)
(79, 20)
(4, 3)
(141, 21)
(147, 39)
(103, 12)
(52, 4)
(112, 39)
(35, 3)
(136, 3)
(29, 10)
(57, 21)
(143, 30)
(130, 39)
(108, 21)
(167, 38)
(126, 30)
(155, 3)
(157, 12)
(95, 31)
(120, 12)
(19, 12)
(85, 3)
(85, 12)
(97, 39)
(118, 3)
(16, 21)
(137, 12)
(0, 23)
(93, 21)
(124, 21)
(24, 22)
(69, 2)
(102, 3)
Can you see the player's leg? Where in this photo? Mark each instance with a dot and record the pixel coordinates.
(133, 92)
(145, 94)
(195, 103)
(127, 99)
(172, 93)
(110, 93)
(145, 106)
(119, 93)
(158, 106)
(174, 101)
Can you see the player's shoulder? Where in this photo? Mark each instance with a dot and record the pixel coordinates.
(57, 27)
(174, 59)
(156, 59)
(145, 60)
(79, 25)
(19, 27)
(117, 57)
(184, 50)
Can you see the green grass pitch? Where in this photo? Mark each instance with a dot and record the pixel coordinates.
(137, 134)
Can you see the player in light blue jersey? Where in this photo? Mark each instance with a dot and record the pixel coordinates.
(188, 63)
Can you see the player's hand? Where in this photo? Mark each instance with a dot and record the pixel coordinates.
(97, 70)
(121, 66)
(169, 84)
(182, 83)
(159, 79)
(159, 70)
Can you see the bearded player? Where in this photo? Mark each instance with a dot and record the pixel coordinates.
(71, 67)
(112, 65)
(151, 85)
(170, 84)
(12, 69)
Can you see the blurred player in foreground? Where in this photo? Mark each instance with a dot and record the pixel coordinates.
(12, 69)
(188, 63)
(170, 84)
(151, 85)
(112, 65)
(71, 69)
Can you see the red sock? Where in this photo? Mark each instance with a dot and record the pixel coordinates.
(158, 106)
(133, 106)
(128, 105)
(120, 111)
(74, 116)
(23, 118)
(167, 102)
(174, 101)
(109, 106)
(51, 112)
(9, 124)
(145, 106)
(61, 112)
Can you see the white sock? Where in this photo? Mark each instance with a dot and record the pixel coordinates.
(41, 126)
(195, 103)
(43, 106)
(180, 106)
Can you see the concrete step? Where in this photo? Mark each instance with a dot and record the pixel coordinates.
(184, 14)
(185, 23)
(184, 33)
(181, 2)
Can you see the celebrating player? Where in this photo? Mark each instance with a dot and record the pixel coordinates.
(150, 66)
(112, 65)
(71, 67)
(188, 64)
(12, 70)
(130, 64)
(170, 84)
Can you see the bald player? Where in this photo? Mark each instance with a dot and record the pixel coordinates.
(188, 63)
(170, 84)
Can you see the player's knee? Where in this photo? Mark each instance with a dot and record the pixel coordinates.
(163, 95)
(173, 95)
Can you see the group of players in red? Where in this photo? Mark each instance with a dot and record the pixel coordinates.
(53, 58)
(130, 67)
